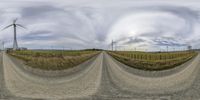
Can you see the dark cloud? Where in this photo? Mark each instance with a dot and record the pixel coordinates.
(71, 22)
(169, 41)
(132, 40)
(39, 35)
(39, 11)
(90, 25)
(93, 18)
(190, 16)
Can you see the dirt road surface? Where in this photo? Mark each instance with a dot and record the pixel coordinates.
(103, 79)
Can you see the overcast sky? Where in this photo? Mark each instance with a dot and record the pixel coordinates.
(79, 24)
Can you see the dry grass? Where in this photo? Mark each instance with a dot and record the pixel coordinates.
(153, 61)
(53, 60)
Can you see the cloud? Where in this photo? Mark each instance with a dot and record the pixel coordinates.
(39, 11)
(71, 23)
(89, 24)
(169, 23)
(132, 40)
(39, 35)
(169, 41)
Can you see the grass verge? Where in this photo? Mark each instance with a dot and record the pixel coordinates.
(153, 61)
(53, 59)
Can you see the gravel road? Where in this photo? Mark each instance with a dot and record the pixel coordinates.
(29, 86)
(170, 83)
(117, 84)
(104, 79)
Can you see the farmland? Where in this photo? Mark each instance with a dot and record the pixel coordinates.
(52, 59)
(152, 60)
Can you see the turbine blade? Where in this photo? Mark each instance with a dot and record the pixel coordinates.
(14, 21)
(21, 26)
(7, 26)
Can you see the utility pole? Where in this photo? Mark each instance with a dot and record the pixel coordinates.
(112, 45)
(63, 48)
(3, 45)
(115, 47)
(167, 48)
(51, 47)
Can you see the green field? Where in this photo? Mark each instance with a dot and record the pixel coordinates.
(53, 59)
(152, 60)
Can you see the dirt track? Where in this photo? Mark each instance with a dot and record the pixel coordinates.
(82, 85)
(103, 79)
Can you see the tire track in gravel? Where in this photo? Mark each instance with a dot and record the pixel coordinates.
(112, 83)
(84, 85)
(117, 83)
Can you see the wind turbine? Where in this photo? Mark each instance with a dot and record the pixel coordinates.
(15, 45)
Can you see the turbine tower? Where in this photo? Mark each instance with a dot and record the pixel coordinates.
(15, 45)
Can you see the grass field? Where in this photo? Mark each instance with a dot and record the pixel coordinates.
(153, 61)
(53, 59)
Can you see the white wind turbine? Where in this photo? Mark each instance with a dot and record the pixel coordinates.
(15, 45)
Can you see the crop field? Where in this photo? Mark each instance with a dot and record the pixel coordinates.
(153, 61)
(53, 59)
